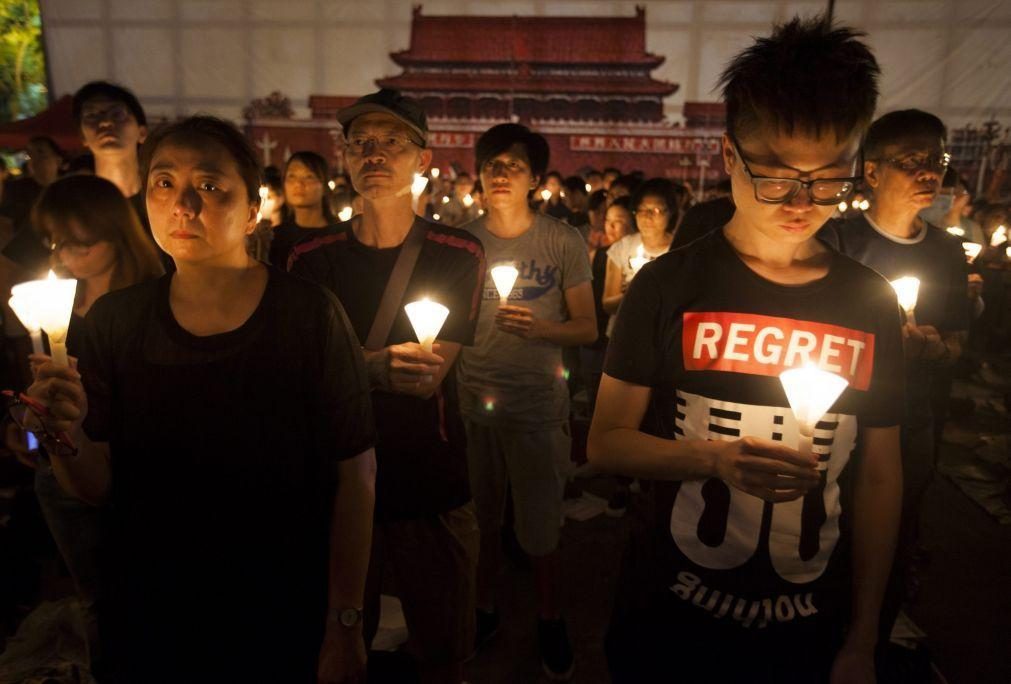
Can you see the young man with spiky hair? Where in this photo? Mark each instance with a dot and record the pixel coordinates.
(758, 561)
(904, 164)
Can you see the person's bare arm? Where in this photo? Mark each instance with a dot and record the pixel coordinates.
(579, 328)
(342, 656)
(86, 474)
(877, 501)
(759, 467)
(613, 290)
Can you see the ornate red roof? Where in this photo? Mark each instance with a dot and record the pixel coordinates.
(612, 41)
(504, 83)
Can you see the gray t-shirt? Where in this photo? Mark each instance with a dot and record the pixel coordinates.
(505, 379)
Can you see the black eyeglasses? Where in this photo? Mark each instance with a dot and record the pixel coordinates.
(18, 404)
(823, 191)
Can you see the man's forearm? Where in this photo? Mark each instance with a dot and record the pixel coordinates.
(86, 475)
(877, 504)
(570, 333)
(636, 454)
(351, 531)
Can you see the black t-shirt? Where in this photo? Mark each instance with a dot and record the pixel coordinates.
(19, 196)
(421, 448)
(224, 454)
(140, 207)
(710, 337)
(286, 236)
(702, 219)
(599, 269)
(933, 256)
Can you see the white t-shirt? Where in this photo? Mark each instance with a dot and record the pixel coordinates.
(621, 254)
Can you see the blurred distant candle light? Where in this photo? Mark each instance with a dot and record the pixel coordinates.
(908, 291)
(811, 393)
(49, 303)
(545, 194)
(468, 201)
(972, 250)
(957, 231)
(345, 214)
(435, 172)
(504, 277)
(999, 236)
(843, 207)
(427, 318)
(417, 187)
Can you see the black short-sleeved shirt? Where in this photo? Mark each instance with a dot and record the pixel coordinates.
(421, 449)
(224, 451)
(933, 256)
(285, 237)
(710, 337)
(702, 219)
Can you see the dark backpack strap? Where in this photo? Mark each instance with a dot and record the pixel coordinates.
(393, 295)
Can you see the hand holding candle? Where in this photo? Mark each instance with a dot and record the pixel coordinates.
(811, 393)
(908, 290)
(504, 277)
(49, 303)
(427, 318)
(638, 261)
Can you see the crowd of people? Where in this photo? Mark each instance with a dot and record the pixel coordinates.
(253, 444)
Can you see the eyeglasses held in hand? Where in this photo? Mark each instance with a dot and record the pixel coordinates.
(58, 443)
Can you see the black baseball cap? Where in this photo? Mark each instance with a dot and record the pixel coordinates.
(388, 101)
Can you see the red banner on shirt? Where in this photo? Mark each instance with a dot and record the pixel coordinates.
(768, 345)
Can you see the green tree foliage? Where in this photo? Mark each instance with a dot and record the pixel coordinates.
(22, 61)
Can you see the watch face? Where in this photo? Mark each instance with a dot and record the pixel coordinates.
(349, 617)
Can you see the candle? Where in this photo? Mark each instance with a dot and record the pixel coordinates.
(972, 250)
(427, 318)
(49, 303)
(435, 172)
(957, 231)
(811, 392)
(504, 277)
(23, 310)
(999, 236)
(345, 214)
(545, 194)
(417, 187)
(638, 261)
(332, 185)
(843, 207)
(908, 290)
(468, 201)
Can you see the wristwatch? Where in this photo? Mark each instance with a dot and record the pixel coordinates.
(346, 617)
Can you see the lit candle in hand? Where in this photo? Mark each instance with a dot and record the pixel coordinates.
(638, 261)
(908, 290)
(811, 392)
(427, 318)
(50, 303)
(504, 277)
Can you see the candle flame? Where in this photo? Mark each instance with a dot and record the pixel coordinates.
(345, 214)
(504, 277)
(427, 318)
(468, 201)
(435, 172)
(972, 250)
(908, 290)
(545, 194)
(999, 236)
(811, 392)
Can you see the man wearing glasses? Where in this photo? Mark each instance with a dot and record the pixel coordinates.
(425, 534)
(757, 562)
(905, 162)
